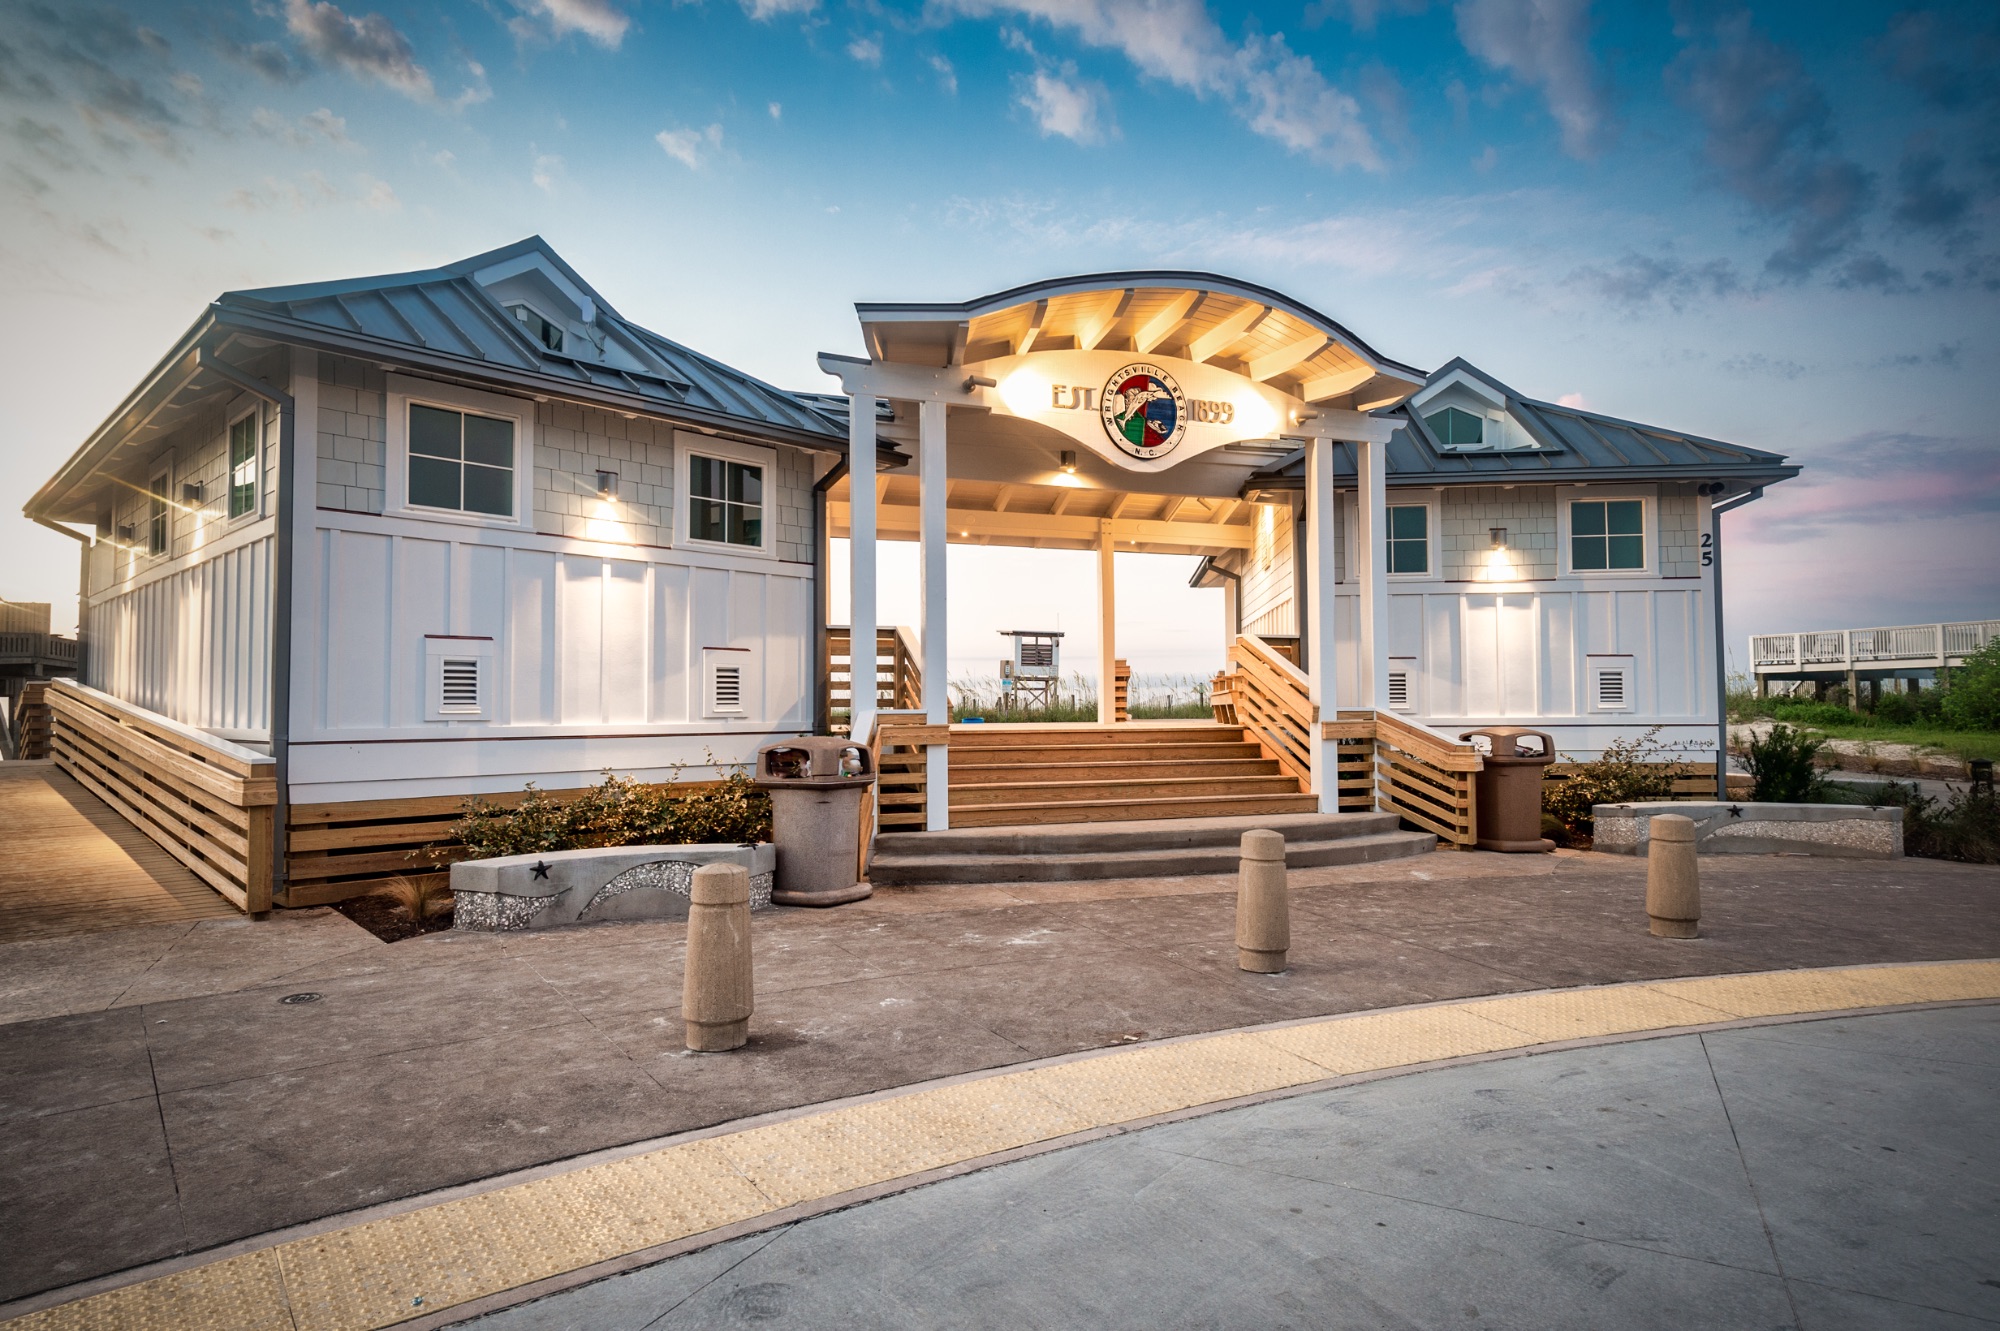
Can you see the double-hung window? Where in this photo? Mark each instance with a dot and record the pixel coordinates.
(156, 515)
(1409, 538)
(243, 466)
(725, 501)
(1607, 534)
(460, 460)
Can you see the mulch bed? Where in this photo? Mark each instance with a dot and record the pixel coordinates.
(389, 921)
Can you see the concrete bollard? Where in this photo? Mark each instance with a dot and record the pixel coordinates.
(1263, 908)
(716, 1000)
(1673, 878)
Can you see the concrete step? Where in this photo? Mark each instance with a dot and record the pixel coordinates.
(1101, 811)
(1024, 855)
(1129, 771)
(1039, 790)
(1135, 835)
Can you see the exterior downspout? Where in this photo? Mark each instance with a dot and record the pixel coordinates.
(82, 591)
(1715, 513)
(281, 604)
(822, 713)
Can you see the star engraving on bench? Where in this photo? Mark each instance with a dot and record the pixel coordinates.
(541, 869)
(1735, 811)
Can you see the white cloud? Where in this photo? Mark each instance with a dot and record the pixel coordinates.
(947, 76)
(1277, 92)
(1576, 400)
(369, 47)
(770, 9)
(868, 50)
(380, 196)
(1546, 44)
(1062, 107)
(777, 111)
(600, 20)
(312, 190)
(547, 171)
(690, 147)
(312, 130)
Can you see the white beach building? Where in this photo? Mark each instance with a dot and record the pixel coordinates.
(371, 546)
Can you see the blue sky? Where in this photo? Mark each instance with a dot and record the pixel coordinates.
(1776, 225)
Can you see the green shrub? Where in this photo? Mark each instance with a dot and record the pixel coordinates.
(1808, 713)
(620, 812)
(1627, 771)
(1971, 699)
(1966, 827)
(1782, 766)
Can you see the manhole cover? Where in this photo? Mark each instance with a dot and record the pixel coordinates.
(300, 998)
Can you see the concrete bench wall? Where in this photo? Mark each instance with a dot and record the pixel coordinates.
(1744, 828)
(561, 887)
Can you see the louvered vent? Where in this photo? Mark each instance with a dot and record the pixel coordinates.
(728, 688)
(1611, 688)
(1399, 689)
(1038, 655)
(458, 685)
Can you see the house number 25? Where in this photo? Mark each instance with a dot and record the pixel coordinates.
(1707, 549)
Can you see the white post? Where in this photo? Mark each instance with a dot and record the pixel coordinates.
(1371, 551)
(1107, 615)
(932, 535)
(1321, 650)
(861, 561)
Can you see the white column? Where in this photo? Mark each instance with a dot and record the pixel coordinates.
(1321, 651)
(1371, 551)
(1107, 618)
(861, 559)
(932, 535)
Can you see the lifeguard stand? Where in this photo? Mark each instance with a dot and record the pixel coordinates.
(1029, 677)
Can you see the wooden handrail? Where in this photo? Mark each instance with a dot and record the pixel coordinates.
(1273, 703)
(207, 802)
(899, 681)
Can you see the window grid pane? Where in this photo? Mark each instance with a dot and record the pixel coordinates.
(434, 433)
(242, 466)
(725, 502)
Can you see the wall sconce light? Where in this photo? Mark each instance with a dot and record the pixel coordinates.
(1499, 537)
(607, 485)
(125, 532)
(1069, 461)
(191, 492)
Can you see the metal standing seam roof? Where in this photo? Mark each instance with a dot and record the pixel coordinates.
(445, 312)
(1573, 444)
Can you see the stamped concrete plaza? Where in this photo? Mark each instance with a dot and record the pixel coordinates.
(162, 1100)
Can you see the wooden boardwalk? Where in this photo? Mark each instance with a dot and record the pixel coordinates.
(70, 865)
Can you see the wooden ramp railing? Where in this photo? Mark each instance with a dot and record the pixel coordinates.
(1426, 777)
(1382, 761)
(207, 802)
(32, 721)
(899, 677)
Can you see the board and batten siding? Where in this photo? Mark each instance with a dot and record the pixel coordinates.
(595, 659)
(1519, 657)
(187, 633)
(1267, 608)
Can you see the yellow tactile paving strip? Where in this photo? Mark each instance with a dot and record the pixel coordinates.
(380, 1272)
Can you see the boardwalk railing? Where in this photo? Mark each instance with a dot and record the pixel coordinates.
(902, 782)
(207, 802)
(38, 649)
(1914, 645)
(899, 678)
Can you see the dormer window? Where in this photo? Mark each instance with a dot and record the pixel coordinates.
(1457, 429)
(548, 334)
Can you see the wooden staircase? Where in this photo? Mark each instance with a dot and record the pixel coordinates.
(1023, 775)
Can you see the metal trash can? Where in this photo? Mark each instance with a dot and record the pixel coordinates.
(1509, 789)
(815, 785)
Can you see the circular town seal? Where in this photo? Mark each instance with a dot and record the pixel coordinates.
(1144, 410)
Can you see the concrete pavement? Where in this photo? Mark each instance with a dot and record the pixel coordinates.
(1834, 1174)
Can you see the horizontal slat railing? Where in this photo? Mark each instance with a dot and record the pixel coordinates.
(899, 681)
(902, 781)
(1427, 778)
(1273, 703)
(207, 802)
